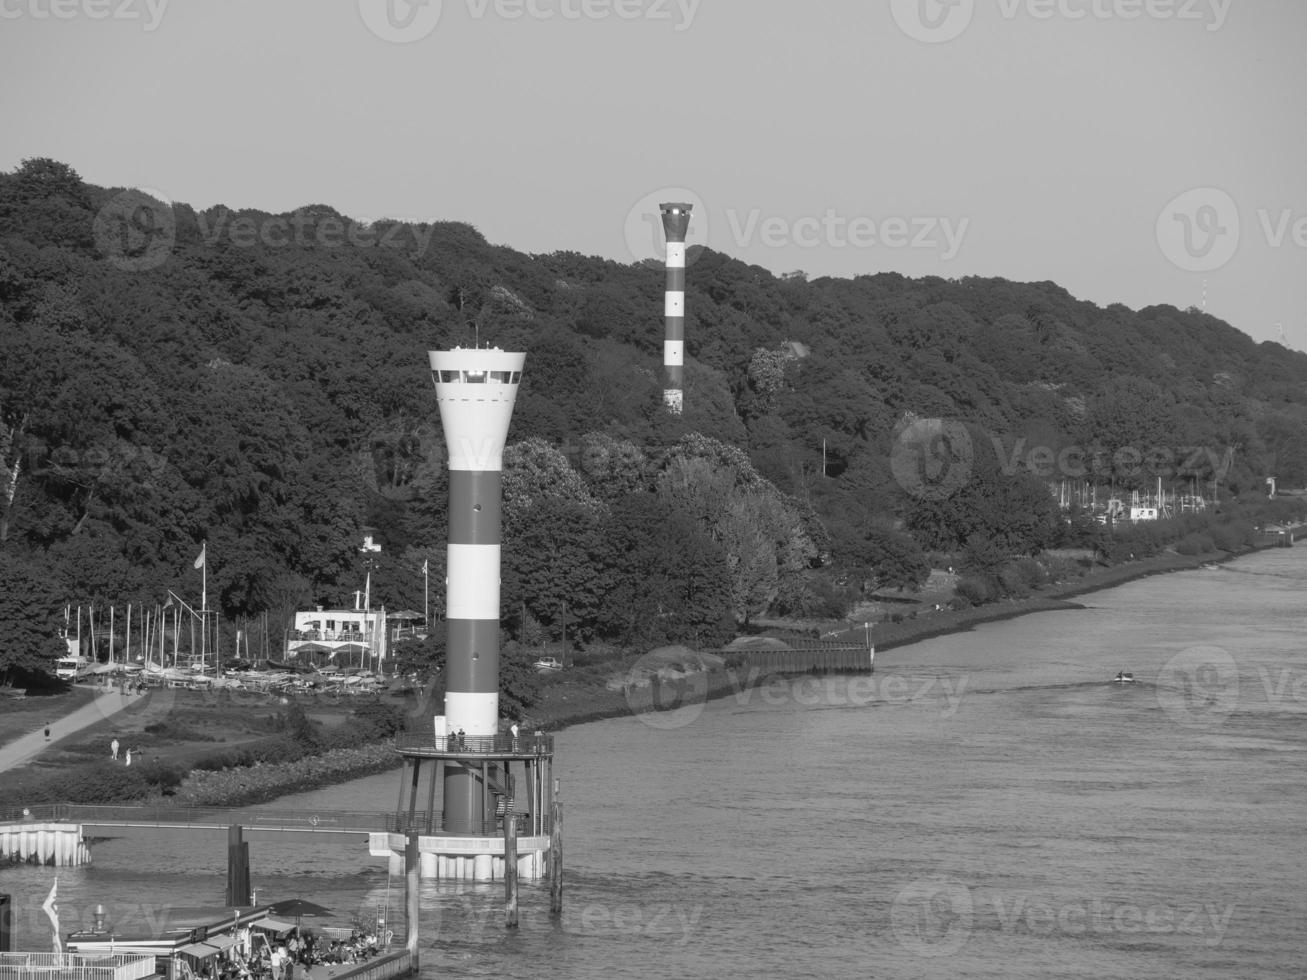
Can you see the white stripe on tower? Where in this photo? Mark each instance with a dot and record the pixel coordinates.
(676, 219)
(476, 389)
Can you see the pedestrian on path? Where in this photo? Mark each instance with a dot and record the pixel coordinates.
(113, 747)
(47, 731)
(129, 757)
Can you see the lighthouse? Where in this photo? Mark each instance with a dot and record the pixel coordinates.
(489, 809)
(676, 219)
(476, 389)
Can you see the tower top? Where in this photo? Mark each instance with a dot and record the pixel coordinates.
(676, 220)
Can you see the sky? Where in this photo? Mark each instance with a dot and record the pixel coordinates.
(1132, 151)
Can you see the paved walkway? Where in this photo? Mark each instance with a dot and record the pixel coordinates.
(28, 747)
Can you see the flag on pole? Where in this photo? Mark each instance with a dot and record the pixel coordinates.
(424, 566)
(199, 562)
(52, 910)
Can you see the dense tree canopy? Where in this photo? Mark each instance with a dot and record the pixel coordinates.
(170, 376)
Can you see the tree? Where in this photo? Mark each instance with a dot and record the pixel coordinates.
(1013, 510)
(667, 581)
(889, 559)
(29, 608)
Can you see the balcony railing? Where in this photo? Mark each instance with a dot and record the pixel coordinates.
(72, 966)
(528, 825)
(501, 745)
(331, 636)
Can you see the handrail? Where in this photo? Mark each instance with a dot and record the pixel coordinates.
(338, 821)
(353, 821)
(500, 745)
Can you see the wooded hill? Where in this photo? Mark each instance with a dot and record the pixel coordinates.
(169, 376)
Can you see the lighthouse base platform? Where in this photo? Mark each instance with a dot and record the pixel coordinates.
(447, 857)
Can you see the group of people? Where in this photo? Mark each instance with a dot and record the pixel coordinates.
(114, 746)
(278, 961)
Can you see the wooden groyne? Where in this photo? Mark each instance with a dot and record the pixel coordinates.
(800, 658)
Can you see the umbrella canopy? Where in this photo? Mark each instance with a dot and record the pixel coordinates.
(406, 616)
(298, 907)
(312, 648)
(351, 648)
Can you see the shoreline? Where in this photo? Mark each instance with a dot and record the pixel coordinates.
(591, 700)
(567, 703)
(889, 636)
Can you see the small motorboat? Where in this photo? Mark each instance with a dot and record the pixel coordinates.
(1124, 677)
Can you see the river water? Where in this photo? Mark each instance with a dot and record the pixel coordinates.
(989, 804)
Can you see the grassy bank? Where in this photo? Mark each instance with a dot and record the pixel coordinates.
(575, 696)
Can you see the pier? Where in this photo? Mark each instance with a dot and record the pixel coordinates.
(514, 778)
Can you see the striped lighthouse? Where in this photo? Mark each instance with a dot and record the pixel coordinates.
(476, 389)
(676, 219)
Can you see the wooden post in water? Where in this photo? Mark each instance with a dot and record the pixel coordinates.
(412, 909)
(556, 854)
(510, 858)
(238, 868)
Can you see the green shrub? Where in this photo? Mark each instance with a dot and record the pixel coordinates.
(1012, 583)
(1231, 537)
(976, 589)
(1195, 544)
(99, 783)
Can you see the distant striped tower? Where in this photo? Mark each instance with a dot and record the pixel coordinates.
(676, 219)
(476, 389)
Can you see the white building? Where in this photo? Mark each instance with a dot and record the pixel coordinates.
(339, 637)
